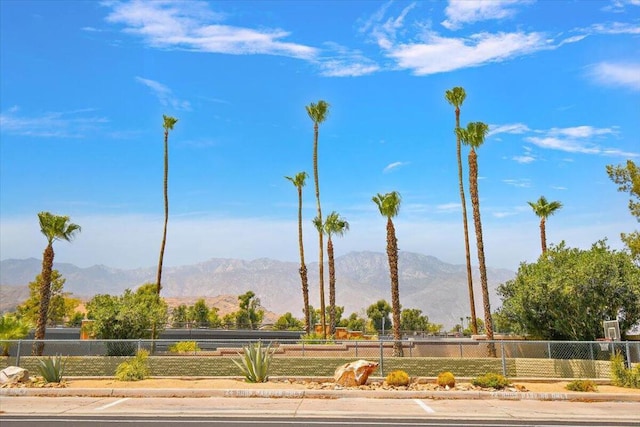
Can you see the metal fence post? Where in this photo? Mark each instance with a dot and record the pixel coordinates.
(381, 358)
(549, 348)
(139, 345)
(302, 348)
(504, 359)
(591, 350)
(460, 345)
(628, 355)
(18, 353)
(356, 348)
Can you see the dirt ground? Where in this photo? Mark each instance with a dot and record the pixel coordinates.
(184, 383)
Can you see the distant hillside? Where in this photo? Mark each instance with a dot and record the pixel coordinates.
(437, 288)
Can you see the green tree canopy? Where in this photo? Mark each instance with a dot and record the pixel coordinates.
(288, 322)
(12, 328)
(129, 316)
(61, 306)
(412, 319)
(567, 294)
(378, 311)
(628, 179)
(250, 314)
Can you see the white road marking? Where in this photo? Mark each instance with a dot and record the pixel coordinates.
(109, 405)
(424, 406)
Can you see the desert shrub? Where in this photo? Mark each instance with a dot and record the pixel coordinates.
(446, 379)
(255, 362)
(52, 368)
(582, 385)
(398, 378)
(622, 376)
(491, 380)
(184, 347)
(135, 369)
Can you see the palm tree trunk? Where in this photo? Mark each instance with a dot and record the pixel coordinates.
(475, 202)
(543, 234)
(323, 319)
(332, 288)
(303, 268)
(392, 254)
(463, 200)
(166, 211)
(45, 296)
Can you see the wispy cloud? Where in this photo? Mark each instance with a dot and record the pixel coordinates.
(393, 166)
(52, 124)
(165, 95)
(343, 62)
(441, 54)
(626, 75)
(461, 12)
(520, 183)
(513, 128)
(194, 26)
(576, 139)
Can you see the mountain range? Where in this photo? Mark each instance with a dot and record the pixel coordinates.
(437, 288)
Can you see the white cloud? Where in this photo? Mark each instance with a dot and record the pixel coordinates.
(520, 183)
(616, 74)
(164, 95)
(395, 165)
(51, 124)
(193, 26)
(449, 207)
(440, 54)
(512, 128)
(461, 12)
(524, 159)
(343, 62)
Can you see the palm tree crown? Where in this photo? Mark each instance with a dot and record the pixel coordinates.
(57, 227)
(543, 209)
(456, 97)
(388, 204)
(474, 134)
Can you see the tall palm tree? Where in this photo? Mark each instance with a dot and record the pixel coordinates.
(333, 225)
(54, 227)
(168, 123)
(389, 205)
(543, 210)
(456, 97)
(474, 136)
(299, 181)
(318, 113)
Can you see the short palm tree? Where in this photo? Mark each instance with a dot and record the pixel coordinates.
(318, 113)
(474, 136)
(544, 209)
(168, 123)
(299, 181)
(456, 97)
(54, 227)
(389, 205)
(333, 225)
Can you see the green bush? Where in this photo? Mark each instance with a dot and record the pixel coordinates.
(315, 338)
(491, 380)
(255, 362)
(446, 379)
(52, 368)
(184, 347)
(622, 376)
(582, 385)
(135, 369)
(398, 378)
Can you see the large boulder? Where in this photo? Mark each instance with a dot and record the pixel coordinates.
(14, 374)
(354, 373)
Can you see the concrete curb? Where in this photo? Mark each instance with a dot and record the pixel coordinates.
(319, 394)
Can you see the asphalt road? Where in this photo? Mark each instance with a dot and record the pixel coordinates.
(79, 411)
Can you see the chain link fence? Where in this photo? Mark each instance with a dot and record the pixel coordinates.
(294, 358)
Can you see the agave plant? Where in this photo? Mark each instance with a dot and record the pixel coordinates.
(255, 362)
(52, 368)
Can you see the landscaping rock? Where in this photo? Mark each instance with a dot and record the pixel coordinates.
(14, 374)
(354, 373)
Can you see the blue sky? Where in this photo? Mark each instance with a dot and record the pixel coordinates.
(84, 86)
